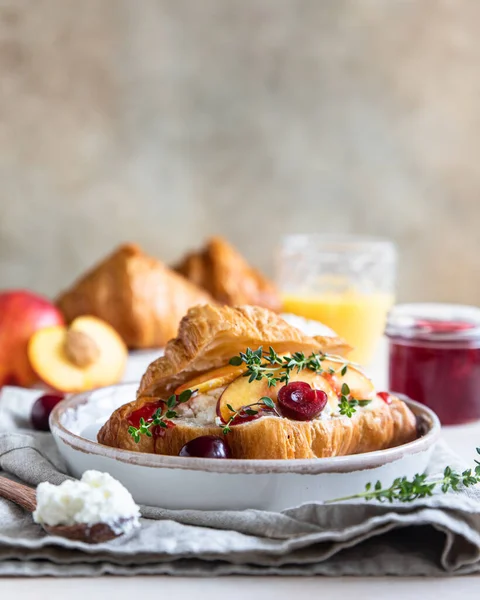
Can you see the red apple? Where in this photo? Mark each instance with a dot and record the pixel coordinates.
(21, 314)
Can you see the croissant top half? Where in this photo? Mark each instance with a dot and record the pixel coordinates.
(209, 336)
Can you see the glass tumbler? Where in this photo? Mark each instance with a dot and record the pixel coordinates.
(346, 282)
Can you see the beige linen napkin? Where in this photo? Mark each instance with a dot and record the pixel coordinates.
(436, 536)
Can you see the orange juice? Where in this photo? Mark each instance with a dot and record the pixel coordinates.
(358, 318)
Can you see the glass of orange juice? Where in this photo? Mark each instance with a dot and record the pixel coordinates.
(346, 282)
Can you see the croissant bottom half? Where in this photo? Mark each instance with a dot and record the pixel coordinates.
(382, 426)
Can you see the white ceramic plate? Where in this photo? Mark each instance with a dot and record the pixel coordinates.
(212, 484)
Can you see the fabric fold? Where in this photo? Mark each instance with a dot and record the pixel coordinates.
(435, 536)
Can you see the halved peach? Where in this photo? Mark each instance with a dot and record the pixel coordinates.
(241, 392)
(212, 380)
(86, 355)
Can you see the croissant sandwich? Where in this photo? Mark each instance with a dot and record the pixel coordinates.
(138, 295)
(227, 277)
(262, 387)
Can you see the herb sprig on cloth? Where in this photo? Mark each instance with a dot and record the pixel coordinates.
(420, 486)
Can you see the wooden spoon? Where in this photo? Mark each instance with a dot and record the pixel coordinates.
(26, 497)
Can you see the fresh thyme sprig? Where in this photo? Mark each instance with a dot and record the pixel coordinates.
(248, 410)
(275, 368)
(421, 486)
(348, 404)
(160, 417)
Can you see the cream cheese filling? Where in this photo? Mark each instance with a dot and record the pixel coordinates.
(202, 408)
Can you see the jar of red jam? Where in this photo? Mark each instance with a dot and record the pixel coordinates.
(434, 358)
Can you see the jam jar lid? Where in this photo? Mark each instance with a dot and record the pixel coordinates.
(434, 322)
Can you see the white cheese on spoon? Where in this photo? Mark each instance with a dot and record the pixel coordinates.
(96, 498)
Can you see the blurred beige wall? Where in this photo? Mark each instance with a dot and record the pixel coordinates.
(163, 121)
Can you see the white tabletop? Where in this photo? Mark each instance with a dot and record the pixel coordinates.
(463, 439)
(239, 588)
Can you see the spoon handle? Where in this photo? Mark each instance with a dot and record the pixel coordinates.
(18, 493)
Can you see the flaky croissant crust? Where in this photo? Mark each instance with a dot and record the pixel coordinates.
(382, 426)
(208, 336)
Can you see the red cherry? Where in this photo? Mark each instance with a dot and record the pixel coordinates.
(41, 410)
(206, 446)
(385, 396)
(300, 402)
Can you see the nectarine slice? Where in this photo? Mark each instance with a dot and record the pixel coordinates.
(88, 354)
(241, 392)
(361, 387)
(212, 380)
